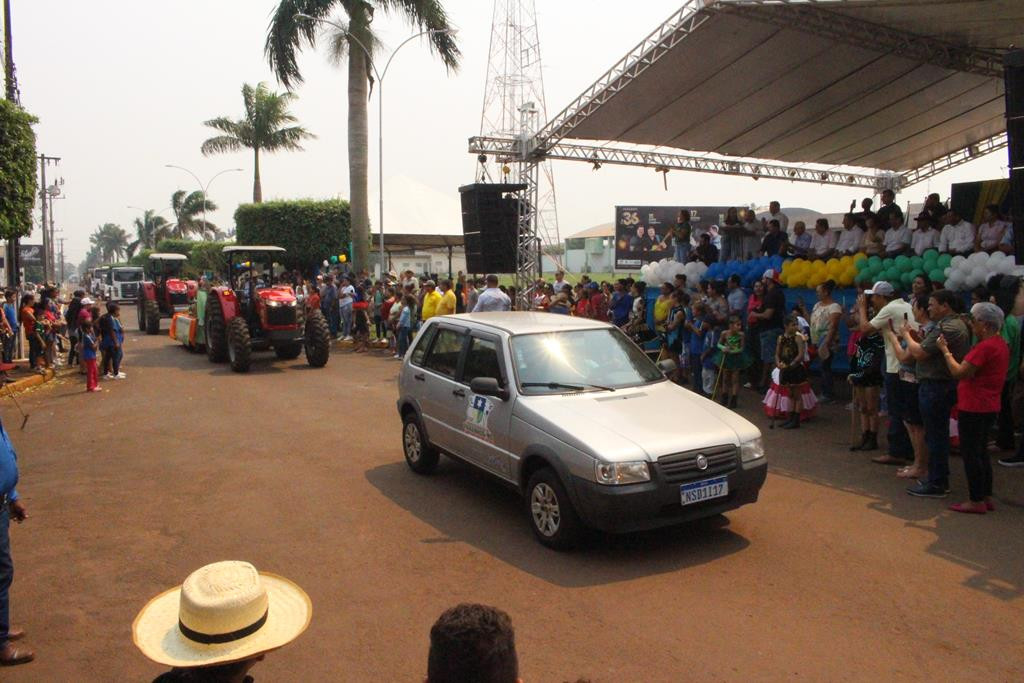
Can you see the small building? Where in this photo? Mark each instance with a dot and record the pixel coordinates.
(588, 251)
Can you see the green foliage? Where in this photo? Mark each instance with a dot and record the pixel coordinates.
(310, 230)
(140, 259)
(17, 170)
(209, 256)
(173, 245)
(188, 215)
(110, 240)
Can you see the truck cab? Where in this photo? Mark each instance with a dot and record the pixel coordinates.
(123, 284)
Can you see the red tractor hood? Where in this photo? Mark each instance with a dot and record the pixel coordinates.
(176, 286)
(282, 294)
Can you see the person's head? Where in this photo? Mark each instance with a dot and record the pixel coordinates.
(697, 307)
(872, 223)
(825, 289)
(821, 226)
(620, 285)
(680, 280)
(705, 240)
(667, 288)
(549, 289)
(684, 216)
(735, 324)
(791, 324)
(848, 221)
(933, 200)
(651, 232)
(986, 319)
(799, 228)
(113, 309)
(446, 285)
(979, 294)
(774, 207)
(920, 306)
(888, 197)
(921, 286)
(952, 217)
(559, 275)
(749, 216)
(718, 288)
(895, 220)
(758, 288)
(734, 281)
(637, 288)
(472, 643)
(770, 279)
(86, 327)
(680, 297)
(991, 213)
(881, 294)
(941, 304)
(430, 286)
(640, 231)
(1004, 290)
(408, 300)
(774, 226)
(925, 221)
(731, 215)
(867, 203)
(492, 281)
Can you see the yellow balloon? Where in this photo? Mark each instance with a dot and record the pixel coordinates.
(342, 258)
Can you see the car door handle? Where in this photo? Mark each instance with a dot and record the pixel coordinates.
(460, 393)
(420, 377)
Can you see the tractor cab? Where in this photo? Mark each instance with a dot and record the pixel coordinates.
(164, 292)
(253, 314)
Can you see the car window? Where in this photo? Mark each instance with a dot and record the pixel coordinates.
(482, 361)
(422, 343)
(443, 357)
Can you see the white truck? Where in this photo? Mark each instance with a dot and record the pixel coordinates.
(122, 284)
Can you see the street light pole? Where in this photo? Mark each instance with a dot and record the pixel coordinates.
(203, 188)
(380, 112)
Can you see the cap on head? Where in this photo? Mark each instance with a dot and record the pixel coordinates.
(882, 288)
(771, 274)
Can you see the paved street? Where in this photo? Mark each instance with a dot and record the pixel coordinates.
(835, 574)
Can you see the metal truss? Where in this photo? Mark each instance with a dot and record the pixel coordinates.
(527, 242)
(508, 150)
(651, 49)
(961, 156)
(814, 17)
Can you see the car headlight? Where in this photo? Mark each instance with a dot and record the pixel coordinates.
(752, 450)
(615, 473)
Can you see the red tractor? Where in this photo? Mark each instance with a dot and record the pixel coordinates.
(163, 293)
(251, 313)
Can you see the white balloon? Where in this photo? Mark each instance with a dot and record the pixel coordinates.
(957, 260)
(997, 256)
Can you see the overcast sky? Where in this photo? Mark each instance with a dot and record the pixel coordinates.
(121, 88)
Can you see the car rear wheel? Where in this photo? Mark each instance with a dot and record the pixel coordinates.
(552, 517)
(419, 454)
(239, 345)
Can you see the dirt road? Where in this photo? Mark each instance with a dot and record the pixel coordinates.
(835, 574)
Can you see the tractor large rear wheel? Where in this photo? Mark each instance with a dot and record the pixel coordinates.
(288, 351)
(152, 317)
(140, 305)
(239, 345)
(215, 330)
(318, 340)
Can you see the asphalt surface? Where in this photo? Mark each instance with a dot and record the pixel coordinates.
(835, 574)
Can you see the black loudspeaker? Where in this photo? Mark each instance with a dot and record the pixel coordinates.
(490, 226)
(1013, 70)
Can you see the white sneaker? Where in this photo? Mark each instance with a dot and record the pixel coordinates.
(120, 375)
(349, 338)
(108, 376)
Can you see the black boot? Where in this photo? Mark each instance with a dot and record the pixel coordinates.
(793, 423)
(863, 442)
(732, 401)
(871, 444)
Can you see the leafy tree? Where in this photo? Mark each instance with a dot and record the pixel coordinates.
(288, 34)
(188, 210)
(17, 170)
(310, 230)
(264, 128)
(149, 229)
(110, 240)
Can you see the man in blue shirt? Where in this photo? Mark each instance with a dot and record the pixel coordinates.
(10, 507)
(11, 313)
(622, 305)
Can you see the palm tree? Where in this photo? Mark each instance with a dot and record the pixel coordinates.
(150, 229)
(263, 128)
(288, 34)
(110, 240)
(188, 207)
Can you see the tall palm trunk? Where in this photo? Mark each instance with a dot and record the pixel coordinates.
(257, 188)
(358, 157)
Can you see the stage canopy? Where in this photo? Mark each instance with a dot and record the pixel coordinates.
(886, 92)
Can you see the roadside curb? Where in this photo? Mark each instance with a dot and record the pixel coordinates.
(28, 382)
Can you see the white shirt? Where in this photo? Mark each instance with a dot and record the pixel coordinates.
(991, 234)
(492, 299)
(957, 238)
(896, 238)
(897, 311)
(850, 240)
(820, 244)
(346, 296)
(782, 218)
(923, 240)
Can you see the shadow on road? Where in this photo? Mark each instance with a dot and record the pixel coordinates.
(467, 506)
(990, 546)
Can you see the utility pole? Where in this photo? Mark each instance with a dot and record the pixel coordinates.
(45, 196)
(13, 257)
(61, 240)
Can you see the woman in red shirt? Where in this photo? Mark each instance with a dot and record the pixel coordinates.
(981, 376)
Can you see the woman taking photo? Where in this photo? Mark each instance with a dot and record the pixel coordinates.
(825, 335)
(981, 375)
(905, 391)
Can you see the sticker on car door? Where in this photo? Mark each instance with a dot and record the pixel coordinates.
(478, 410)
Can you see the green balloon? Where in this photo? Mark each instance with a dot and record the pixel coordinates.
(916, 262)
(931, 253)
(902, 262)
(944, 260)
(874, 261)
(906, 279)
(888, 263)
(937, 275)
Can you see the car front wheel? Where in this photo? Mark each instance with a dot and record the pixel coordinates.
(552, 517)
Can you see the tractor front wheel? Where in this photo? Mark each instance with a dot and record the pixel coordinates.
(215, 331)
(318, 340)
(239, 346)
(152, 317)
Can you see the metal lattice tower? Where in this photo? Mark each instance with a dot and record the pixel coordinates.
(514, 106)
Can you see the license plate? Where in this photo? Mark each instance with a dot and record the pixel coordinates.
(699, 491)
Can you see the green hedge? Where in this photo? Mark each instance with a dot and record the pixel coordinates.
(202, 256)
(310, 230)
(18, 184)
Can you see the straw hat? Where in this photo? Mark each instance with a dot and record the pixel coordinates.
(224, 612)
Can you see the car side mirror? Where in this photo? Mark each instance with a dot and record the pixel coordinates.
(668, 365)
(488, 386)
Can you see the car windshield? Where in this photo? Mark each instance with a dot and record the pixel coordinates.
(127, 275)
(556, 362)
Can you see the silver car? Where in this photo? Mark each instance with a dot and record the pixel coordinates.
(574, 416)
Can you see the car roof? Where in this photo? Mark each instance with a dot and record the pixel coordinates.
(527, 322)
(250, 248)
(169, 257)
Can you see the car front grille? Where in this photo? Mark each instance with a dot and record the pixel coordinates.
(178, 298)
(682, 467)
(130, 290)
(281, 315)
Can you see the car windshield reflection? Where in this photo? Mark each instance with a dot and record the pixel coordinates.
(580, 360)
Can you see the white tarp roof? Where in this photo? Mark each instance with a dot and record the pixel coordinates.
(884, 84)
